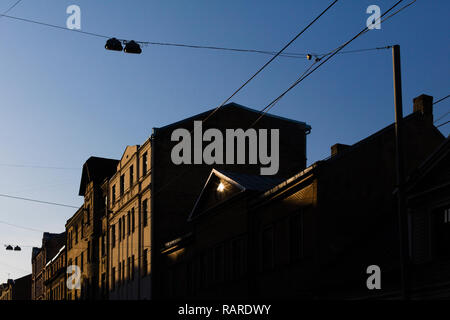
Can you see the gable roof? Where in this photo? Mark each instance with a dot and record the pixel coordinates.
(242, 182)
(234, 105)
(96, 169)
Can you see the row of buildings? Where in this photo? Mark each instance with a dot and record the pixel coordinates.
(150, 229)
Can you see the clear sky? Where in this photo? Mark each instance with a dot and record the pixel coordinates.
(65, 98)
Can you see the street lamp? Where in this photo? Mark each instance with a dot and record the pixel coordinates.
(132, 47)
(114, 44)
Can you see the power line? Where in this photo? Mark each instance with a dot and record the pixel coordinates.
(192, 46)
(21, 227)
(442, 99)
(35, 166)
(442, 117)
(10, 8)
(330, 55)
(270, 61)
(39, 201)
(442, 124)
(250, 79)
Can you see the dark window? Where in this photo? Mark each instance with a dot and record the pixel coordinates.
(88, 215)
(128, 269)
(132, 267)
(113, 279)
(122, 184)
(144, 263)
(218, 263)
(441, 233)
(296, 236)
(123, 227)
(128, 223)
(144, 163)
(267, 248)
(237, 258)
(113, 195)
(76, 234)
(103, 245)
(113, 236)
(131, 175)
(120, 229)
(123, 271)
(88, 251)
(81, 261)
(132, 220)
(145, 212)
(120, 275)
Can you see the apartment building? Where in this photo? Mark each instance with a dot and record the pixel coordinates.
(51, 243)
(55, 276)
(84, 228)
(314, 234)
(129, 225)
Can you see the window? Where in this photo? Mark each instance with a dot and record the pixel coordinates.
(144, 212)
(113, 236)
(81, 261)
(132, 220)
(88, 215)
(144, 263)
(123, 227)
(129, 223)
(103, 245)
(132, 267)
(113, 278)
(120, 229)
(131, 175)
(144, 163)
(441, 233)
(88, 251)
(218, 263)
(128, 269)
(76, 234)
(113, 194)
(120, 275)
(296, 236)
(123, 271)
(237, 258)
(122, 184)
(267, 248)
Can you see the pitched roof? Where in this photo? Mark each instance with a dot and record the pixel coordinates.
(230, 105)
(96, 169)
(241, 183)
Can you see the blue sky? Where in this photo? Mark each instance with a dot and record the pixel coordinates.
(65, 98)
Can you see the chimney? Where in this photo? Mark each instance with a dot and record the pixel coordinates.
(424, 105)
(338, 148)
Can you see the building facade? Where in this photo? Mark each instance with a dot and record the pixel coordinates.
(129, 225)
(19, 289)
(51, 243)
(55, 276)
(84, 229)
(311, 236)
